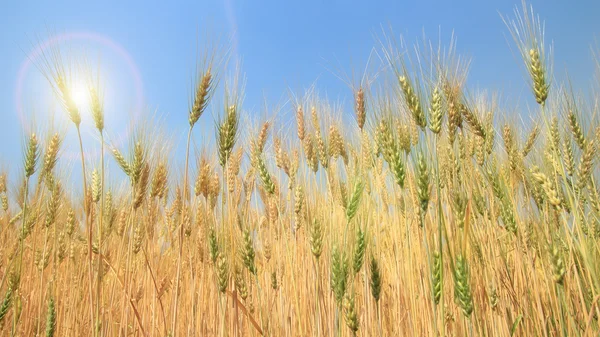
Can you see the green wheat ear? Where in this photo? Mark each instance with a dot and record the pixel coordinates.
(436, 275)
(298, 208)
(423, 182)
(353, 203)
(265, 176)
(375, 281)
(412, 101)
(122, 162)
(530, 142)
(391, 152)
(32, 154)
(576, 130)
(222, 273)
(52, 205)
(558, 265)
(339, 274)
(359, 250)
(227, 134)
(51, 318)
(5, 306)
(274, 283)
(213, 245)
(462, 288)
(584, 169)
(350, 313)
(248, 252)
(316, 238)
(240, 283)
(569, 159)
(137, 164)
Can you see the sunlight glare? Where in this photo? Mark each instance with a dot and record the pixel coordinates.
(80, 96)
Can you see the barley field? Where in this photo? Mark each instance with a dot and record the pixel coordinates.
(424, 211)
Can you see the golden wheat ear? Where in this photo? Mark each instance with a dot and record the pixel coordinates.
(528, 32)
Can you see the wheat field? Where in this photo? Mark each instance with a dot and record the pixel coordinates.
(425, 211)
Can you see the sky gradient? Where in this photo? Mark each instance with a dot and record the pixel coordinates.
(285, 46)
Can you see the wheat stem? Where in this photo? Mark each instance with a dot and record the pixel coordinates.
(185, 183)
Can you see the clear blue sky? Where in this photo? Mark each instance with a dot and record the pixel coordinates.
(284, 45)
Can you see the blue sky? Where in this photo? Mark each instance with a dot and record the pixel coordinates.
(284, 45)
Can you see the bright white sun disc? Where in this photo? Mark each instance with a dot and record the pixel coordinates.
(80, 96)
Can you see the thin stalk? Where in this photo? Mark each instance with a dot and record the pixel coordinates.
(41, 297)
(440, 239)
(99, 275)
(156, 289)
(378, 319)
(89, 228)
(318, 312)
(24, 223)
(185, 183)
(53, 286)
(562, 305)
(14, 327)
(128, 271)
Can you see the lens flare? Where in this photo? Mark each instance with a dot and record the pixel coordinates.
(80, 96)
(79, 89)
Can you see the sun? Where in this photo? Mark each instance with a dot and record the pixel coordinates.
(80, 95)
